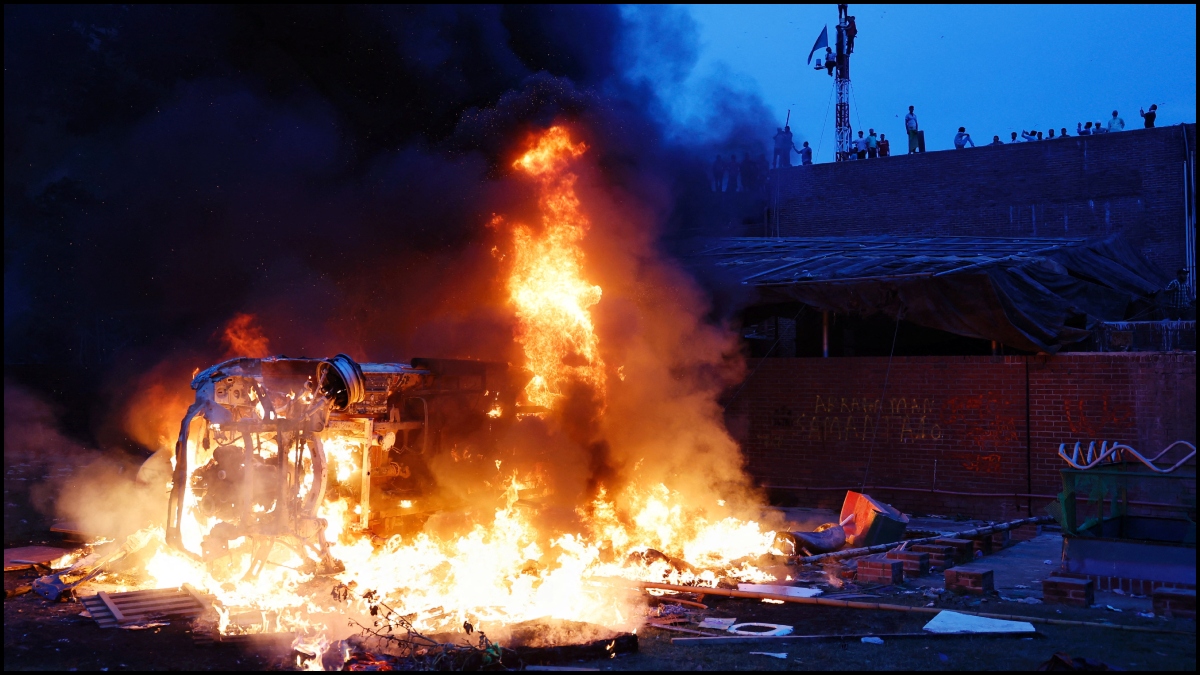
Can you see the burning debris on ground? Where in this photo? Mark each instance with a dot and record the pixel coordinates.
(394, 338)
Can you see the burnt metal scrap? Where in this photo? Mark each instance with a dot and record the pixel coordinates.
(261, 470)
(61, 585)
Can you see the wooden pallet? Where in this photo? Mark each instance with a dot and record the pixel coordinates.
(121, 609)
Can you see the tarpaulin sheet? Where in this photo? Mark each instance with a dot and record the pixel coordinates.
(1033, 294)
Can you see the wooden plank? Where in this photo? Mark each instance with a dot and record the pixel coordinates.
(204, 601)
(153, 599)
(111, 606)
(677, 629)
(144, 592)
(183, 605)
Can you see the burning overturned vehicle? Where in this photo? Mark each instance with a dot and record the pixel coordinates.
(269, 440)
(439, 495)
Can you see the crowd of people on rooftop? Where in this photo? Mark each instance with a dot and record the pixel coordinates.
(1114, 124)
(750, 174)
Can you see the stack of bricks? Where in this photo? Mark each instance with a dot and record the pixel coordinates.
(1068, 591)
(1179, 603)
(941, 557)
(976, 581)
(964, 549)
(983, 545)
(1001, 540)
(915, 564)
(880, 571)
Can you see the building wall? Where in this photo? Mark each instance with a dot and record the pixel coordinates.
(953, 423)
(1091, 186)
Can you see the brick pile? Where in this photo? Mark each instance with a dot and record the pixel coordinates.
(1058, 590)
(880, 571)
(940, 557)
(915, 564)
(1176, 602)
(974, 580)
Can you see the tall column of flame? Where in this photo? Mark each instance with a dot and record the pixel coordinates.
(547, 287)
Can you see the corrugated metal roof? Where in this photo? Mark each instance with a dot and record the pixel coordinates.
(801, 260)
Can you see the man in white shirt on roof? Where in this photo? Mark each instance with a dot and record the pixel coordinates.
(910, 124)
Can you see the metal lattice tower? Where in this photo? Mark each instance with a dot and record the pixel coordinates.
(842, 131)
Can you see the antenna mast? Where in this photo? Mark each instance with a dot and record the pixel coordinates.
(845, 43)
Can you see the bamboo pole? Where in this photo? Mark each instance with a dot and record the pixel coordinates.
(965, 534)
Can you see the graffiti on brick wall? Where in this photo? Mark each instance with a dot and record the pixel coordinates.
(835, 418)
(976, 463)
(987, 420)
(1096, 417)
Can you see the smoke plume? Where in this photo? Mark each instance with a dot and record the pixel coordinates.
(330, 171)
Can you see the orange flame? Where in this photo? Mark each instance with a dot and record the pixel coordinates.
(547, 285)
(504, 566)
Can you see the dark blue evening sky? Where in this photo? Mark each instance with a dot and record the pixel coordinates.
(993, 69)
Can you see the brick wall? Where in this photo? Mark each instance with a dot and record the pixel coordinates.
(813, 423)
(1128, 182)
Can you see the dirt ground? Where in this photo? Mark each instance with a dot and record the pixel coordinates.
(39, 635)
(42, 636)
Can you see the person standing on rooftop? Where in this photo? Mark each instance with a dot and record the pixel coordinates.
(788, 146)
(885, 146)
(1098, 128)
(910, 124)
(1014, 137)
(782, 154)
(1149, 115)
(1083, 129)
(1175, 301)
(1029, 135)
(996, 141)
(1063, 133)
(1116, 123)
(872, 145)
(1050, 134)
(805, 155)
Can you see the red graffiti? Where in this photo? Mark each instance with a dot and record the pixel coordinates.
(1096, 418)
(977, 463)
(987, 420)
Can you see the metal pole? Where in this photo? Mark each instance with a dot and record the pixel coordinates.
(842, 132)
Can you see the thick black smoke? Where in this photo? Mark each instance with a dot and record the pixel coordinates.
(329, 169)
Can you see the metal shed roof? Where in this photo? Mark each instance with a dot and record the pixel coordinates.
(1036, 294)
(799, 260)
